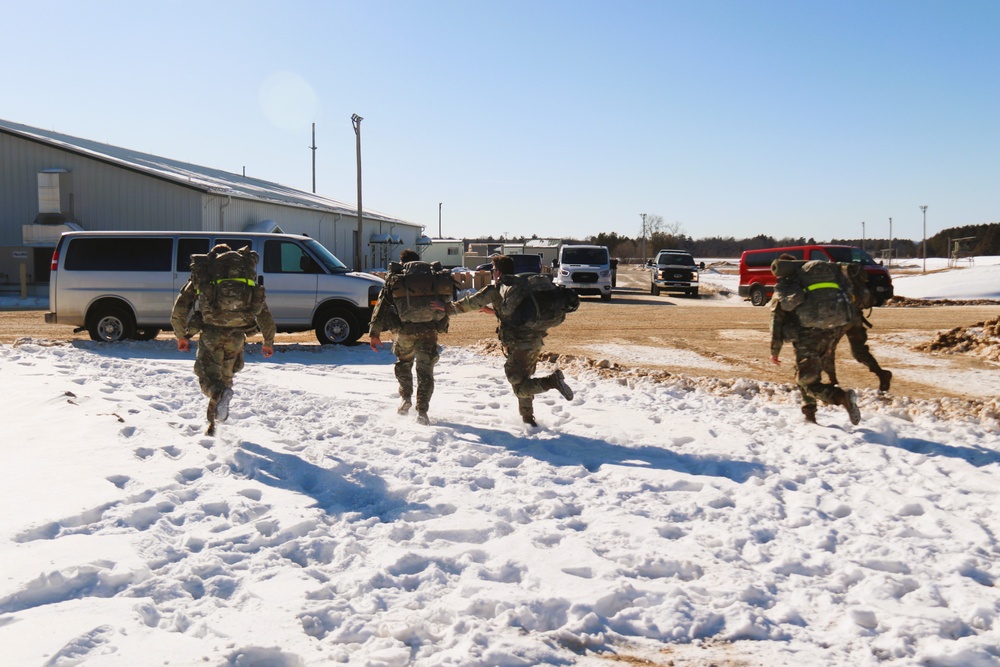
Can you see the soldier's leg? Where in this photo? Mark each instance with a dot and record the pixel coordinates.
(858, 338)
(403, 348)
(426, 356)
(232, 362)
(520, 365)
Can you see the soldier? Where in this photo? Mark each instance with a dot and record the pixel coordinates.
(522, 345)
(404, 307)
(812, 346)
(857, 330)
(222, 303)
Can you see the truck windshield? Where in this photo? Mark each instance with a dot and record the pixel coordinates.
(675, 259)
(585, 256)
(325, 257)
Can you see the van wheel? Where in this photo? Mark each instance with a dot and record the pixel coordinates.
(757, 296)
(337, 326)
(111, 324)
(146, 334)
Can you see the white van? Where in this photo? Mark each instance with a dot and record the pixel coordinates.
(585, 269)
(122, 285)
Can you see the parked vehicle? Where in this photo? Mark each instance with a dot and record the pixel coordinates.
(585, 269)
(673, 271)
(757, 281)
(122, 285)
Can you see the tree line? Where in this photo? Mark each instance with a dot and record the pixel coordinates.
(976, 240)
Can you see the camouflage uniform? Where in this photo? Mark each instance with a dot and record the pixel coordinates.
(220, 348)
(857, 331)
(413, 343)
(813, 352)
(521, 346)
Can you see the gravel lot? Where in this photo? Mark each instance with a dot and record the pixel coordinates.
(709, 336)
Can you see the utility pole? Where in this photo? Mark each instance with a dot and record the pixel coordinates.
(890, 241)
(356, 121)
(313, 147)
(439, 221)
(862, 234)
(643, 216)
(924, 209)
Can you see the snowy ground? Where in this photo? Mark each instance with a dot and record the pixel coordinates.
(659, 521)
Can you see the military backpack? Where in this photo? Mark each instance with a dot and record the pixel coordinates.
(226, 282)
(820, 290)
(415, 285)
(543, 304)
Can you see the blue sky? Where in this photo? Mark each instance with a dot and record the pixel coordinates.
(551, 117)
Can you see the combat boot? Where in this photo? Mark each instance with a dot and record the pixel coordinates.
(422, 417)
(850, 402)
(222, 407)
(210, 416)
(809, 412)
(528, 417)
(404, 407)
(559, 384)
(884, 379)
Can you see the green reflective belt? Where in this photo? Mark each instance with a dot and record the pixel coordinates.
(239, 280)
(247, 281)
(822, 286)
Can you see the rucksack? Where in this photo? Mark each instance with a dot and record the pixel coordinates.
(415, 285)
(543, 304)
(858, 278)
(822, 292)
(226, 281)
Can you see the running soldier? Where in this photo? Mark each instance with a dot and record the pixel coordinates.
(404, 307)
(813, 346)
(522, 341)
(223, 302)
(857, 330)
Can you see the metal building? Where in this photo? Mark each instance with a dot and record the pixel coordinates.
(51, 183)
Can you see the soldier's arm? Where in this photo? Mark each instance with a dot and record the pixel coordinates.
(267, 327)
(378, 313)
(488, 296)
(181, 313)
(777, 325)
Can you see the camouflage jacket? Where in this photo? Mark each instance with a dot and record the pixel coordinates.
(186, 321)
(385, 318)
(503, 298)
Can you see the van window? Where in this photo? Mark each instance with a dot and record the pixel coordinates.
(119, 254)
(815, 253)
(765, 257)
(287, 257)
(187, 247)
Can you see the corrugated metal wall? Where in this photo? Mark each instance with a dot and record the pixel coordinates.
(109, 197)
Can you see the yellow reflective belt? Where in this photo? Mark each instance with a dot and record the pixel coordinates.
(239, 280)
(822, 286)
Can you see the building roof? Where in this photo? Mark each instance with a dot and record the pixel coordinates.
(206, 179)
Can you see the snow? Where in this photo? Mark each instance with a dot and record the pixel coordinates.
(665, 521)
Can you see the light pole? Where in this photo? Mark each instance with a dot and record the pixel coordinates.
(643, 216)
(356, 121)
(890, 241)
(924, 209)
(439, 221)
(862, 234)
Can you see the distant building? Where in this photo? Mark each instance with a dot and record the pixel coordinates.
(450, 252)
(51, 183)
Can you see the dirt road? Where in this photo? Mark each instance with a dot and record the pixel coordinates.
(710, 336)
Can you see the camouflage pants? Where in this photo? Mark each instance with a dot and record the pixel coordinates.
(421, 349)
(219, 358)
(522, 359)
(857, 336)
(813, 354)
